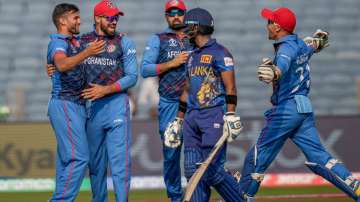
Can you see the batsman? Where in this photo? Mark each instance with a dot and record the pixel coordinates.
(208, 104)
(291, 116)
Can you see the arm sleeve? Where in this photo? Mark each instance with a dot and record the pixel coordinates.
(130, 65)
(149, 67)
(56, 46)
(225, 61)
(284, 58)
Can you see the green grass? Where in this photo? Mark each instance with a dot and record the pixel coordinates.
(160, 195)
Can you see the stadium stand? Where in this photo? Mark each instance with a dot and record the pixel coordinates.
(25, 25)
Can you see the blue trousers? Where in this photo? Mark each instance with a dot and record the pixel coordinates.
(109, 135)
(284, 122)
(68, 122)
(172, 172)
(202, 129)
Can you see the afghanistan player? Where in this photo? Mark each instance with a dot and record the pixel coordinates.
(109, 76)
(209, 101)
(291, 116)
(66, 108)
(164, 56)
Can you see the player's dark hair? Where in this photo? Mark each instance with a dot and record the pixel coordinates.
(205, 30)
(62, 9)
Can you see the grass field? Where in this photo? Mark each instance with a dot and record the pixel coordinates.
(286, 194)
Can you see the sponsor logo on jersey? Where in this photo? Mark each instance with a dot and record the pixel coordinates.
(216, 125)
(228, 61)
(173, 43)
(110, 48)
(206, 59)
(131, 51)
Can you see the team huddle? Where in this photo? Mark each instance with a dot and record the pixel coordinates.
(90, 114)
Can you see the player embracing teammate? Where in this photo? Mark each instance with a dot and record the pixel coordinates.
(101, 74)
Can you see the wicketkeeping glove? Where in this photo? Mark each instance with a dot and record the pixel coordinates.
(172, 133)
(232, 126)
(267, 71)
(319, 40)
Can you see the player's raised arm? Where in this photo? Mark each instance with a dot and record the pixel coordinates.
(64, 63)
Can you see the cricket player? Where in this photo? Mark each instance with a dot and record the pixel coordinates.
(208, 102)
(164, 57)
(109, 76)
(66, 108)
(291, 116)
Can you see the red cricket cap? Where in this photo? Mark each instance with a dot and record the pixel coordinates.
(282, 16)
(106, 8)
(179, 4)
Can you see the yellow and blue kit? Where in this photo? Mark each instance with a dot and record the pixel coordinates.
(203, 122)
(67, 116)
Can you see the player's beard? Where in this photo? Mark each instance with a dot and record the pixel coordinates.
(108, 30)
(177, 25)
(75, 29)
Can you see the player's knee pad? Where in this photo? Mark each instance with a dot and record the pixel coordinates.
(214, 175)
(192, 159)
(350, 185)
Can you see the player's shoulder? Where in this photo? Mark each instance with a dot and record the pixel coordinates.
(220, 50)
(57, 40)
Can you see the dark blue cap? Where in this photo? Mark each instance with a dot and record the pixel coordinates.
(199, 16)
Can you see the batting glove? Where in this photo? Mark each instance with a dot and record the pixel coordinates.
(232, 126)
(318, 41)
(267, 71)
(172, 133)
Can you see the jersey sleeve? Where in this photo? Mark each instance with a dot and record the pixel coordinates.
(148, 65)
(224, 61)
(130, 65)
(56, 46)
(284, 56)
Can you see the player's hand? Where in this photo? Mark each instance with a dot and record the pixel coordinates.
(232, 126)
(172, 133)
(180, 59)
(96, 47)
(95, 91)
(50, 69)
(318, 41)
(267, 71)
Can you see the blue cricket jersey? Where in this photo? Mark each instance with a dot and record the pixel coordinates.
(116, 65)
(292, 56)
(66, 85)
(204, 69)
(161, 48)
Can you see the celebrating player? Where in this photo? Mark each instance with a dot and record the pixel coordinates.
(66, 108)
(291, 115)
(209, 101)
(164, 56)
(109, 76)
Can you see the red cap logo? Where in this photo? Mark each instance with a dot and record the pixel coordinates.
(179, 4)
(106, 8)
(283, 16)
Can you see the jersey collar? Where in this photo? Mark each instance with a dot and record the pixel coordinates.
(60, 36)
(291, 37)
(210, 43)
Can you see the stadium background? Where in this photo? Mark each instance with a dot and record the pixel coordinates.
(27, 145)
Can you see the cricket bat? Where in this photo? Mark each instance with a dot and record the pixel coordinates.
(195, 178)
